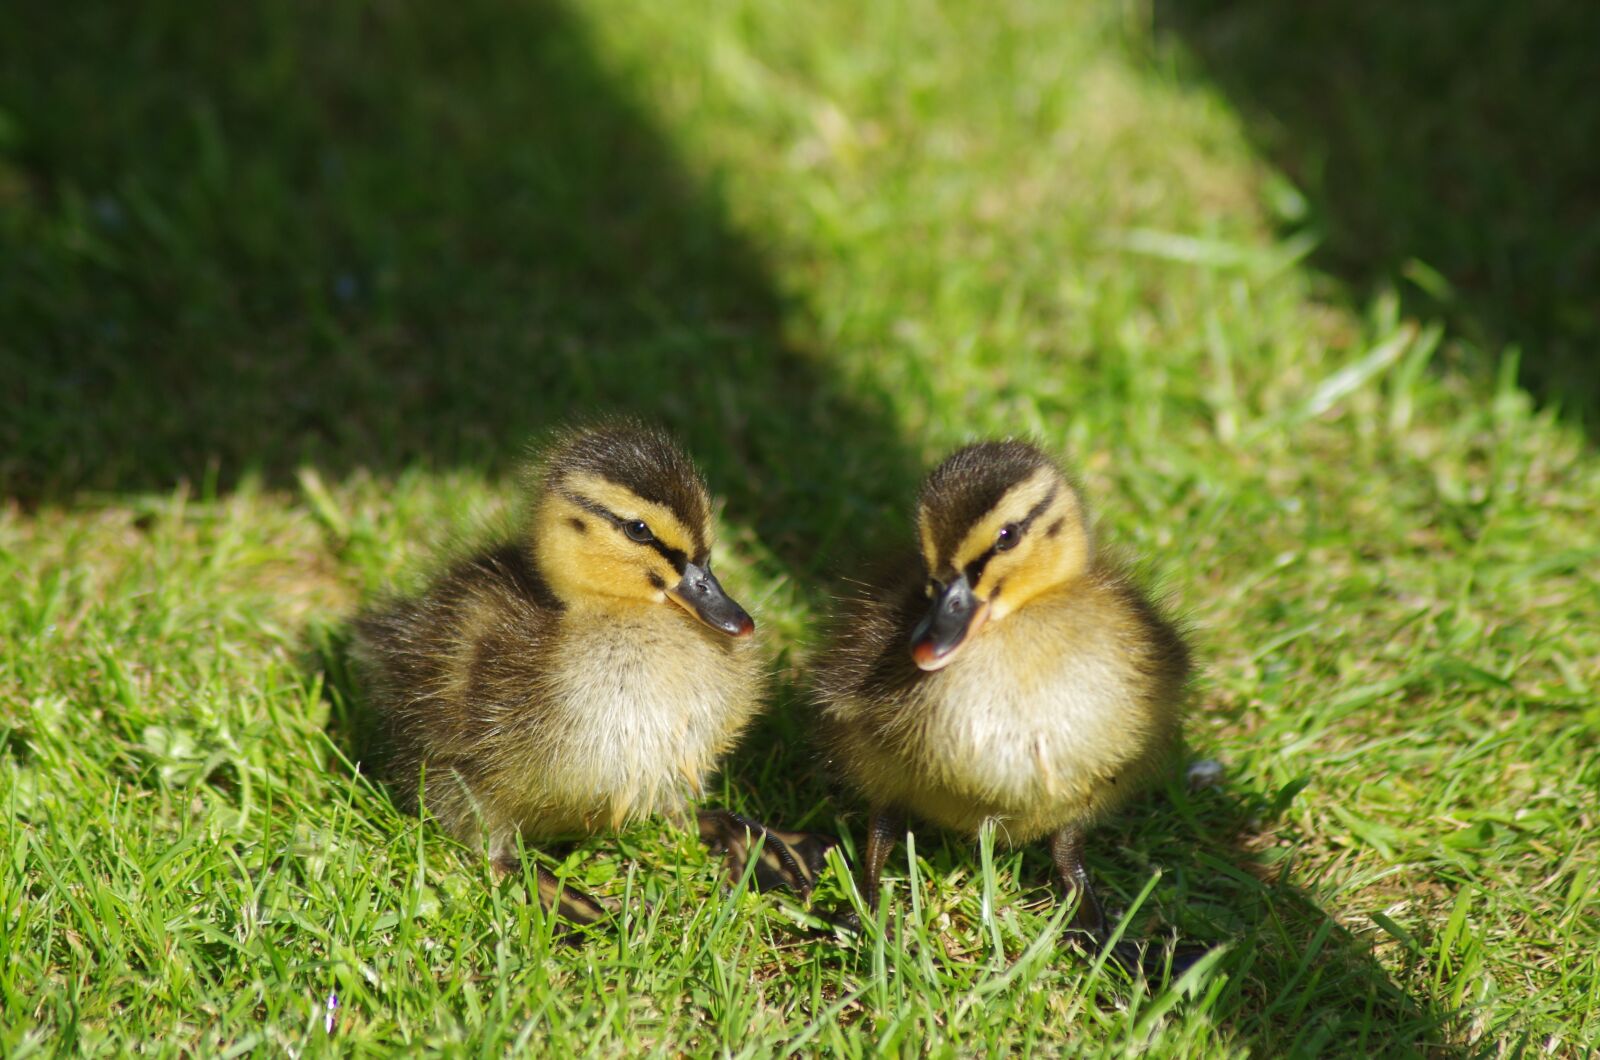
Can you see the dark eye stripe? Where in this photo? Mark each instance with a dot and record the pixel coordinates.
(674, 556)
(975, 568)
(677, 557)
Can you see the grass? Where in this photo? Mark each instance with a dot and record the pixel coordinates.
(284, 292)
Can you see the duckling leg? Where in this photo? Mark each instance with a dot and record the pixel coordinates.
(786, 859)
(1066, 848)
(884, 828)
(566, 901)
(1089, 922)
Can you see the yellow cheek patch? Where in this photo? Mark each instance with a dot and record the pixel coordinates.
(625, 504)
(583, 557)
(1014, 507)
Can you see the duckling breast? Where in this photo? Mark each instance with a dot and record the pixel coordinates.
(639, 708)
(1049, 718)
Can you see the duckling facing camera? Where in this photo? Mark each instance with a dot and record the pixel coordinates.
(1012, 675)
(591, 673)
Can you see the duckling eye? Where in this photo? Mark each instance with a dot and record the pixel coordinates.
(638, 531)
(1007, 538)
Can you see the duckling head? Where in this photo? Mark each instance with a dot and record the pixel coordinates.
(999, 523)
(623, 517)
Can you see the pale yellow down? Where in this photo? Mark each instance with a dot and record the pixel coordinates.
(1045, 720)
(1054, 710)
(550, 688)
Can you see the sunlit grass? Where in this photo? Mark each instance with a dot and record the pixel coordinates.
(854, 239)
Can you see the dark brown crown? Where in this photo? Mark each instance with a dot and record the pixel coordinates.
(970, 482)
(639, 457)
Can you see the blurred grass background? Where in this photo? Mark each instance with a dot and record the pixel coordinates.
(1443, 150)
(1306, 293)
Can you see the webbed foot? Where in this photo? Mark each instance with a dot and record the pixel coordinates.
(784, 859)
(576, 907)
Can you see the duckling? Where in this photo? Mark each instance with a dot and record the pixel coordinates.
(587, 674)
(1012, 675)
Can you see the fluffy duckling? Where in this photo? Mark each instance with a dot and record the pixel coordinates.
(587, 674)
(1012, 675)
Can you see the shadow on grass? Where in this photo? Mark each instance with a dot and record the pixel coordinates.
(376, 236)
(1293, 982)
(1298, 983)
(1449, 149)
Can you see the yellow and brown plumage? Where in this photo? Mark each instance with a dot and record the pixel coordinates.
(1007, 673)
(589, 673)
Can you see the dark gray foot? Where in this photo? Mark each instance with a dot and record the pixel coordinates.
(570, 904)
(782, 859)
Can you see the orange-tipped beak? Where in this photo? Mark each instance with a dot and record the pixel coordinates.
(955, 616)
(700, 594)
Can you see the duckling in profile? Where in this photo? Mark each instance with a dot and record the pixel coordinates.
(1013, 675)
(590, 673)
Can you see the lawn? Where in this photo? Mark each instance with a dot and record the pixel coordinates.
(1308, 301)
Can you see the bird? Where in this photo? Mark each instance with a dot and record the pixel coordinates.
(587, 672)
(1008, 670)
